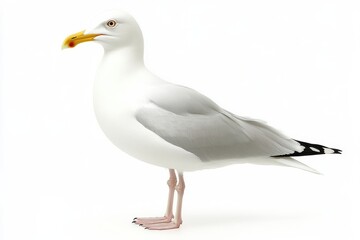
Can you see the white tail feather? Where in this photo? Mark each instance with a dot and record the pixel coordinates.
(290, 162)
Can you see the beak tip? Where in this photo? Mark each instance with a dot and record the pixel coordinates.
(74, 39)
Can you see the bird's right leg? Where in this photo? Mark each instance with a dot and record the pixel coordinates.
(169, 215)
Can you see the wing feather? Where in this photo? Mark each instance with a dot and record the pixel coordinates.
(191, 121)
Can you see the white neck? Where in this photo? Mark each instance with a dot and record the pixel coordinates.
(122, 61)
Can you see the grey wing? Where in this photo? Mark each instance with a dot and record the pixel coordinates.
(191, 121)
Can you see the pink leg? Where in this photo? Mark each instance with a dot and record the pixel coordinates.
(169, 210)
(180, 188)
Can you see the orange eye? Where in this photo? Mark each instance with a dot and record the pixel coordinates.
(111, 23)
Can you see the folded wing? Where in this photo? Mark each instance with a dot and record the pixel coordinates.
(191, 121)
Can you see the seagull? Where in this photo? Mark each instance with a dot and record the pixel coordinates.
(173, 126)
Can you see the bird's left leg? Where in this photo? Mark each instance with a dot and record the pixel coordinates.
(169, 209)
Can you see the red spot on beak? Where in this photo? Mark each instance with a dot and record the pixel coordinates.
(71, 44)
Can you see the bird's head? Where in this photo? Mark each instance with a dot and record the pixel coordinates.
(113, 30)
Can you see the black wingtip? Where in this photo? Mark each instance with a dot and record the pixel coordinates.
(312, 149)
(337, 151)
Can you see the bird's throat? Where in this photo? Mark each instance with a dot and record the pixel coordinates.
(122, 61)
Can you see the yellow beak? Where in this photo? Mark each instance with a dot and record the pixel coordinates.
(76, 38)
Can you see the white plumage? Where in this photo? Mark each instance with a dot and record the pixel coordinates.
(169, 125)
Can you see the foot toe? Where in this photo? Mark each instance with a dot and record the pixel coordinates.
(163, 226)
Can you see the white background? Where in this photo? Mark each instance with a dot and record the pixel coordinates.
(294, 64)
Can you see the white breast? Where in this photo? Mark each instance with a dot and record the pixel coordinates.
(116, 99)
